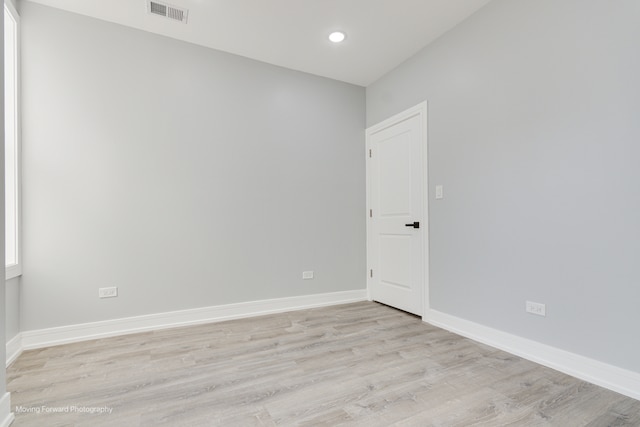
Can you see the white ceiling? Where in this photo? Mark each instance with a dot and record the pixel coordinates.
(381, 34)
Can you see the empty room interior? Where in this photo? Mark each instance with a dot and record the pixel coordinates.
(304, 212)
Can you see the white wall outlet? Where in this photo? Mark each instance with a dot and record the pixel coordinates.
(439, 192)
(307, 275)
(536, 308)
(108, 292)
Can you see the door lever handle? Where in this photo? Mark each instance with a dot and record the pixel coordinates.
(414, 225)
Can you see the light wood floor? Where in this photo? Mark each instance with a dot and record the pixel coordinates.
(360, 364)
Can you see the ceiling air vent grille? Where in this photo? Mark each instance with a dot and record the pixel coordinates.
(167, 11)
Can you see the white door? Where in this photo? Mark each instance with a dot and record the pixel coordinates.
(397, 220)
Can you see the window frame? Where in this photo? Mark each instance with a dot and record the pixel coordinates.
(15, 269)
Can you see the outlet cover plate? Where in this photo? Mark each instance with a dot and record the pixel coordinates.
(536, 308)
(108, 292)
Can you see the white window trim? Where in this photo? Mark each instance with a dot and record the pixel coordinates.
(15, 270)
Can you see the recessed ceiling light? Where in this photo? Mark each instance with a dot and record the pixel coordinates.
(337, 36)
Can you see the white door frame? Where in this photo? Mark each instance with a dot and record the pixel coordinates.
(421, 111)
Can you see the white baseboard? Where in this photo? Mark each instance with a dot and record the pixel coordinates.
(608, 376)
(108, 328)
(14, 348)
(6, 416)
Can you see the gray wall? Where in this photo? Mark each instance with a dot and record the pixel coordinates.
(534, 132)
(184, 176)
(12, 303)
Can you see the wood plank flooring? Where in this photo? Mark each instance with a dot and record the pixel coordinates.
(360, 364)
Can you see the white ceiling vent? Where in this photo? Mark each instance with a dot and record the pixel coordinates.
(167, 10)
